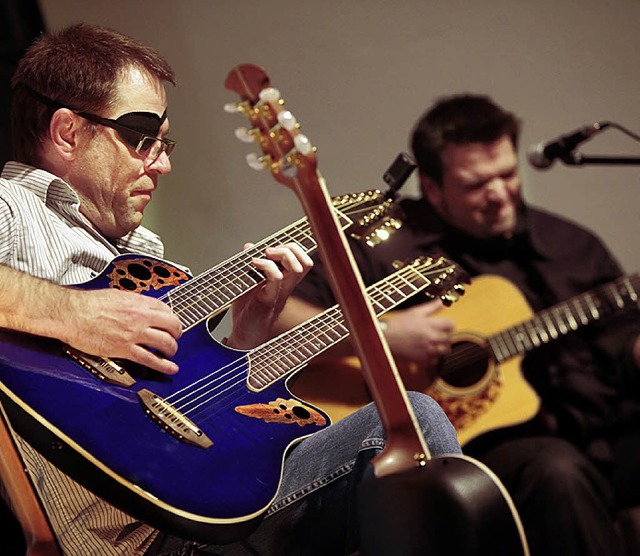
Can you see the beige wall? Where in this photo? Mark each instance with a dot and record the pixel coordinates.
(357, 74)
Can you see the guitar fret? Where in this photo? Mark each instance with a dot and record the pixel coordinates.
(533, 333)
(389, 296)
(559, 323)
(566, 317)
(224, 283)
(584, 319)
(592, 306)
(495, 348)
(633, 295)
(511, 344)
(289, 356)
(500, 348)
(549, 326)
(543, 335)
(570, 318)
(521, 340)
(615, 294)
(410, 287)
(189, 315)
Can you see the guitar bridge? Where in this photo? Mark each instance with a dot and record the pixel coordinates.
(101, 367)
(171, 420)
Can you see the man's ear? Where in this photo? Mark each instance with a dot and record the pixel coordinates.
(64, 129)
(431, 191)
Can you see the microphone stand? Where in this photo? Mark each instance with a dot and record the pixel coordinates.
(577, 159)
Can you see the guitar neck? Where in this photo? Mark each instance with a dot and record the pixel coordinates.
(565, 317)
(211, 292)
(294, 348)
(405, 447)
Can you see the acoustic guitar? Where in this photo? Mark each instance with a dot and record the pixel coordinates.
(480, 384)
(142, 440)
(456, 491)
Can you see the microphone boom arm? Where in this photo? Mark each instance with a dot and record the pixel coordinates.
(577, 159)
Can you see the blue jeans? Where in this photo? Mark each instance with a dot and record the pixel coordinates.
(314, 512)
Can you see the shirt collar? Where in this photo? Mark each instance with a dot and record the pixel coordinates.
(48, 187)
(53, 190)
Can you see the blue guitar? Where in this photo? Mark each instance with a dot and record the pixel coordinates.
(199, 453)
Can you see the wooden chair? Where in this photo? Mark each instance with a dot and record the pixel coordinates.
(23, 499)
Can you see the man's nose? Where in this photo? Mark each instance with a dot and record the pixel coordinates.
(497, 189)
(162, 164)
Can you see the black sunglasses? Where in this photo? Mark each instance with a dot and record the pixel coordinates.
(149, 145)
(140, 134)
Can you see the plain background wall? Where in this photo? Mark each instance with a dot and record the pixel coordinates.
(357, 74)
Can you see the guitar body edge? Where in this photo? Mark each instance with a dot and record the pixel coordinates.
(452, 505)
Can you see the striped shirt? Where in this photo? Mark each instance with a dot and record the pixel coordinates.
(43, 233)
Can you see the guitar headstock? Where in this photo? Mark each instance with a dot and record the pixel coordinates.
(289, 155)
(286, 151)
(446, 278)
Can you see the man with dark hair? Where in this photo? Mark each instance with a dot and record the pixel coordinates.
(571, 468)
(90, 132)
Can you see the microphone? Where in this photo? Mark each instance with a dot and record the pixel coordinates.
(545, 153)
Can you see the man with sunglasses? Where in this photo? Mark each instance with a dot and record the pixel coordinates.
(90, 140)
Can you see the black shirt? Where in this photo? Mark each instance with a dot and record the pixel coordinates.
(587, 380)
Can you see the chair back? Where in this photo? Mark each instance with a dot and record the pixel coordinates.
(22, 497)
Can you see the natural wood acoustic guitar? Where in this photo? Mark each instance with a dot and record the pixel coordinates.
(480, 385)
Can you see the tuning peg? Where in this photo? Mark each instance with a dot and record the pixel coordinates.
(449, 298)
(287, 120)
(302, 144)
(232, 108)
(270, 94)
(245, 135)
(256, 162)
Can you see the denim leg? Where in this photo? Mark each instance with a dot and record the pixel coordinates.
(314, 512)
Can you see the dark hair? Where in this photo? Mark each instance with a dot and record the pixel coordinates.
(77, 66)
(459, 119)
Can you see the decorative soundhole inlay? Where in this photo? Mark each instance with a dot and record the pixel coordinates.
(284, 412)
(142, 274)
(464, 410)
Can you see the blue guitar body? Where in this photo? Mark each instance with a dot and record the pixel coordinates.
(103, 436)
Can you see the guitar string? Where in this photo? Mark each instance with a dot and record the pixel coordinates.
(216, 284)
(333, 323)
(238, 369)
(395, 290)
(239, 372)
(549, 324)
(391, 293)
(182, 297)
(178, 398)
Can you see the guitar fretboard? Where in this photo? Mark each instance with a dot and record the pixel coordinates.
(293, 349)
(214, 290)
(568, 316)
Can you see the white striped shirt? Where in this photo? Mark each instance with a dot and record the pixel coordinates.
(43, 233)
